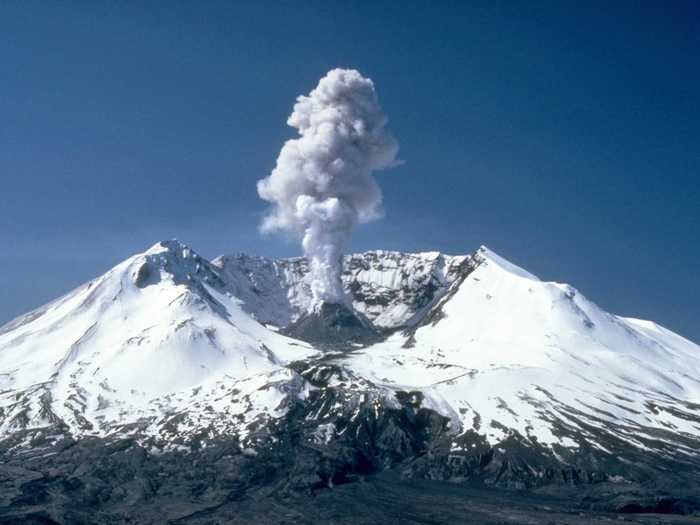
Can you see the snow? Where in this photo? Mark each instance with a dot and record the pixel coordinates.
(496, 260)
(505, 337)
(168, 339)
(110, 350)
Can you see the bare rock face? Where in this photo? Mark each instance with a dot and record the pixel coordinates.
(333, 325)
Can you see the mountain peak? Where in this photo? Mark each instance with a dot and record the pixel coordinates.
(486, 254)
(175, 259)
(169, 246)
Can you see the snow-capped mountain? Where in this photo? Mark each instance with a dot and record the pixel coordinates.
(160, 334)
(506, 354)
(502, 353)
(481, 364)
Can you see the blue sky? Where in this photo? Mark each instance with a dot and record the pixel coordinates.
(566, 137)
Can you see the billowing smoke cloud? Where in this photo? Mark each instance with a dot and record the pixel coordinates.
(322, 186)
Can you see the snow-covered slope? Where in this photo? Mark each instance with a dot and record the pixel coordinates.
(506, 353)
(158, 335)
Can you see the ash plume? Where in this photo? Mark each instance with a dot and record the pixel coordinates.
(322, 186)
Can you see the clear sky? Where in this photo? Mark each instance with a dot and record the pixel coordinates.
(565, 135)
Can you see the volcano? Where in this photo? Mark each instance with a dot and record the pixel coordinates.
(174, 385)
